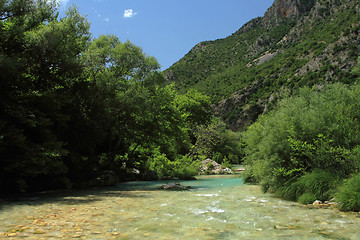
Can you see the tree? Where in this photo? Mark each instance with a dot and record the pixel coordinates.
(112, 62)
(195, 106)
(139, 109)
(39, 60)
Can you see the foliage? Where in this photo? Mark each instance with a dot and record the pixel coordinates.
(195, 107)
(297, 147)
(208, 137)
(159, 163)
(349, 194)
(208, 134)
(183, 167)
(356, 70)
(186, 167)
(72, 106)
(307, 198)
(39, 60)
(320, 184)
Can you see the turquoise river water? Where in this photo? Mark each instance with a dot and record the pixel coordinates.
(217, 207)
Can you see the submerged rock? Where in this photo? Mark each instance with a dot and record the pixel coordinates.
(174, 186)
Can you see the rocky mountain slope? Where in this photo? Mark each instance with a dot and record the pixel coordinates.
(296, 43)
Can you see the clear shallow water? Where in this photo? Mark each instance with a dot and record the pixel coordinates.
(216, 208)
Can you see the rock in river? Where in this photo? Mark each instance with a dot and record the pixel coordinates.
(174, 186)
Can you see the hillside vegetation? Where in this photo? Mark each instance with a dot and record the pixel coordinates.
(295, 44)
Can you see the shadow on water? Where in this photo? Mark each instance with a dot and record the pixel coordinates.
(69, 197)
(122, 190)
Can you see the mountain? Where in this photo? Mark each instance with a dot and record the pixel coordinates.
(296, 43)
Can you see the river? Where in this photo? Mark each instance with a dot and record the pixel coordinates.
(217, 207)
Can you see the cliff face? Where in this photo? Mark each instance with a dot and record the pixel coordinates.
(297, 43)
(287, 9)
(281, 9)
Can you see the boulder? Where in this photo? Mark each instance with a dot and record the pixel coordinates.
(211, 167)
(174, 186)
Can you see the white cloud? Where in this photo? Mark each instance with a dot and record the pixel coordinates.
(129, 13)
(107, 19)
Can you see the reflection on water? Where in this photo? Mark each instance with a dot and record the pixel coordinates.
(215, 208)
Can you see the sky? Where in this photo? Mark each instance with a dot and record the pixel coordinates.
(167, 29)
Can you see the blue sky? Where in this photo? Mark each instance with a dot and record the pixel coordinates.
(168, 29)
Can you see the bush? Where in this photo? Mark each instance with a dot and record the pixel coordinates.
(226, 163)
(290, 191)
(320, 183)
(349, 194)
(307, 198)
(297, 147)
(159, 163)
(186, 168)
(217, 157)
(183, 167)
(210, 166)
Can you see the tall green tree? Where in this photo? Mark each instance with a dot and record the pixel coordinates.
(39, 60)
(195, 106)
(139, 109)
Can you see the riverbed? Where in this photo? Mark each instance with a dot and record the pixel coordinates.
(217, 207)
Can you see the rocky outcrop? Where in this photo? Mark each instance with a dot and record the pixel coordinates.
(292, 9)
(244, 113)
(211, 167)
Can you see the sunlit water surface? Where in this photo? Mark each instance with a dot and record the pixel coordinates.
(216, 208)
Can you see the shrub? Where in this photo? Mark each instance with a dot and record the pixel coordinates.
(159, 163)
(186, 168)
(307, 198)
(291, 191)
(348, 194)
(320, 183)
(210, 166)
(226, 163)
(183, 167)
(297, 147)
(217, 157)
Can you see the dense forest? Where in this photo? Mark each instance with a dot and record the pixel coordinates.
(78, 111)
